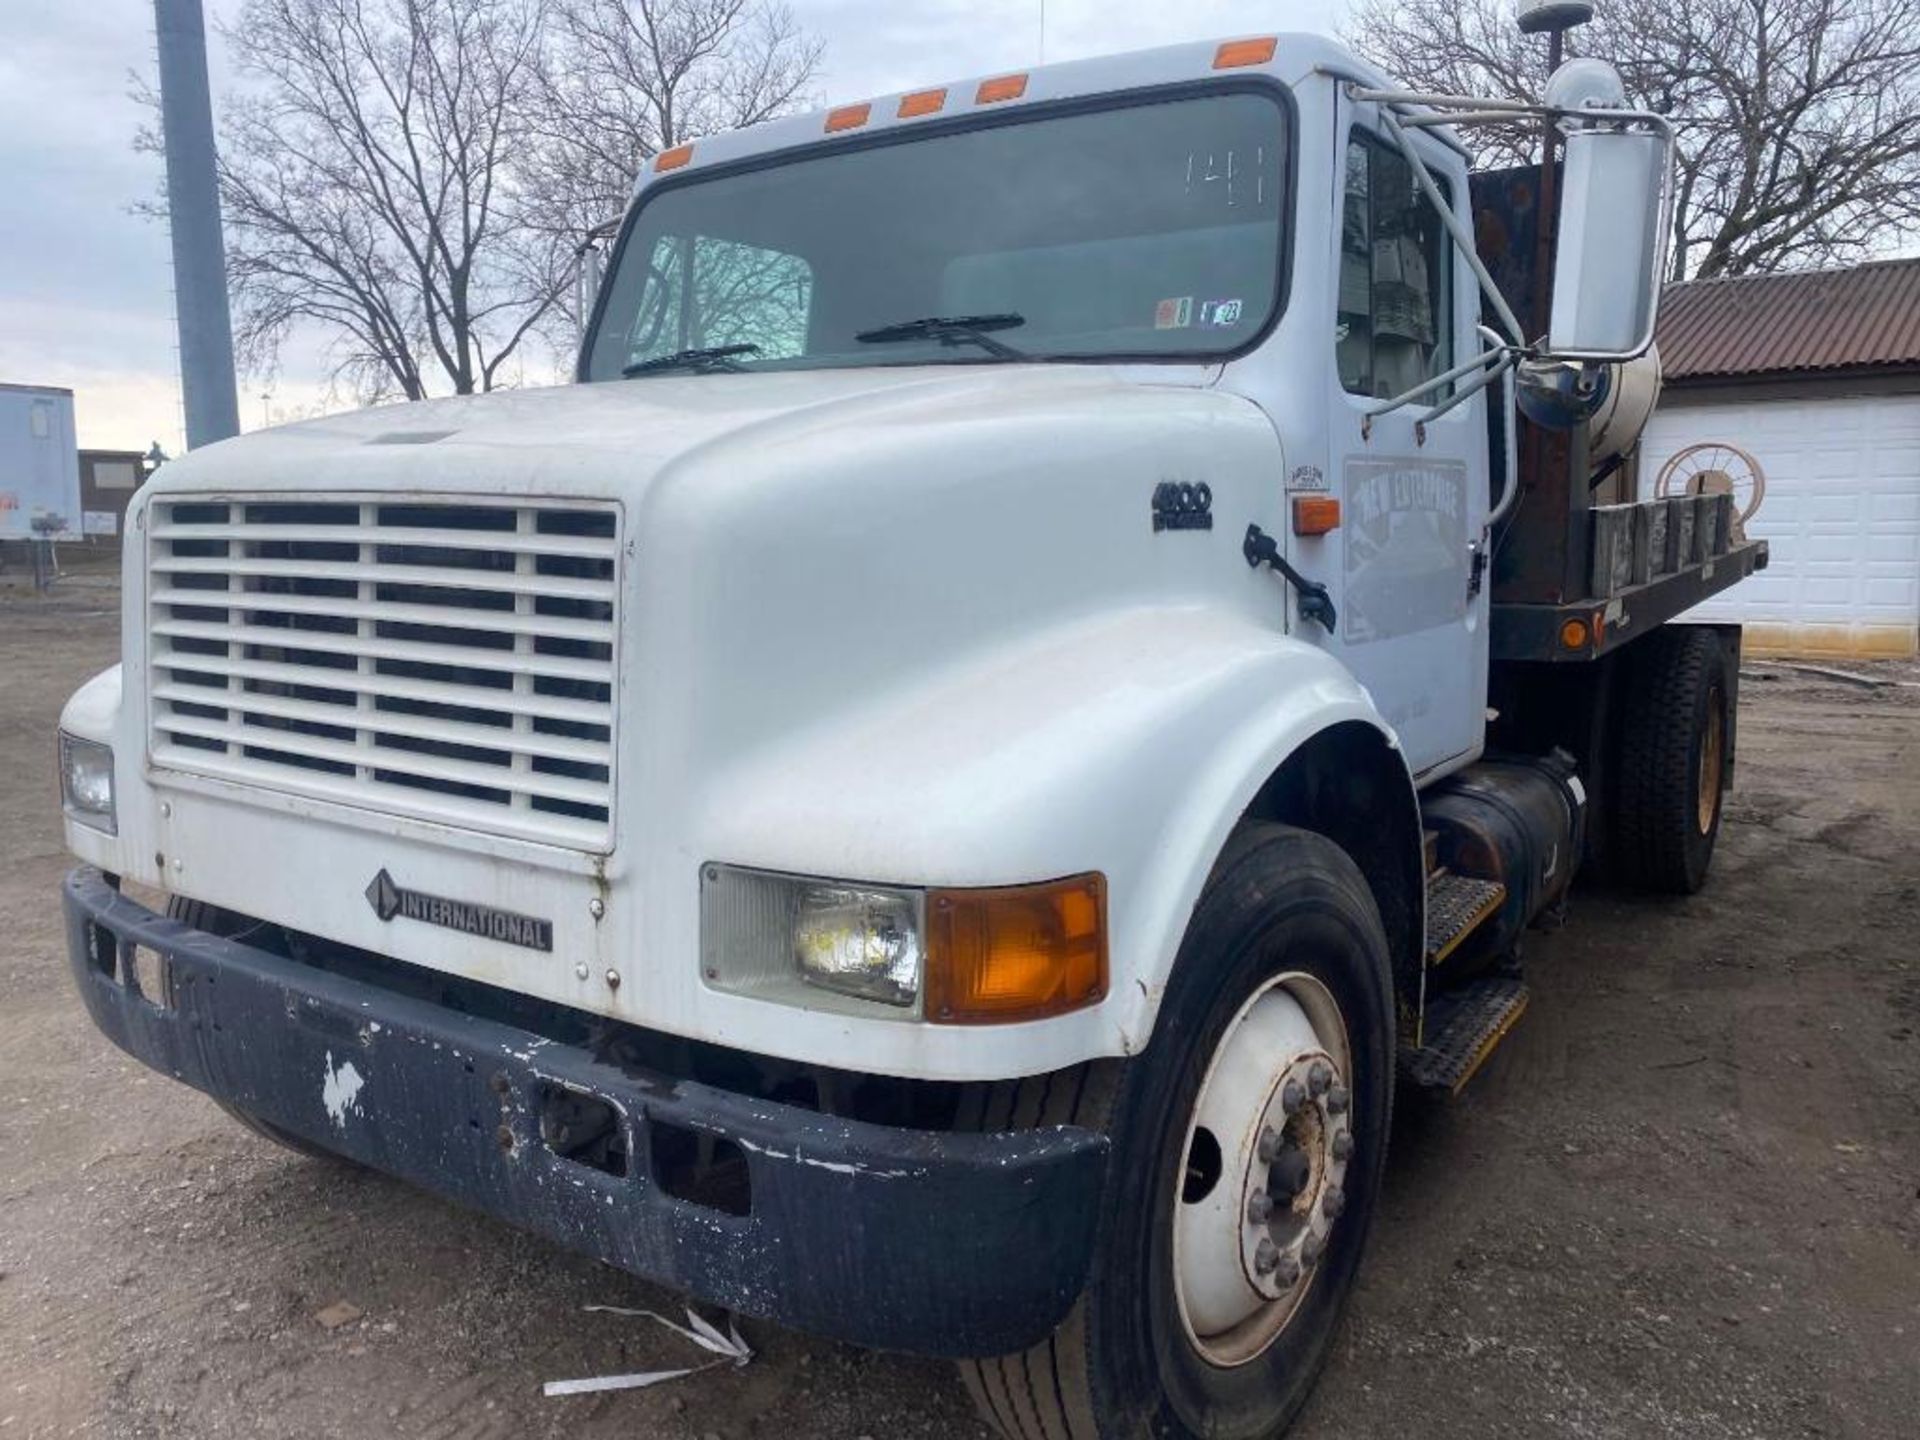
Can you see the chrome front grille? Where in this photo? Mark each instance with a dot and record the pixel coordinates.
(448, 660)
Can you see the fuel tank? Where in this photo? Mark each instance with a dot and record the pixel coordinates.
(1518, 820)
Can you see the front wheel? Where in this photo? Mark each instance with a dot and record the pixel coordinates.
(1248, 1142)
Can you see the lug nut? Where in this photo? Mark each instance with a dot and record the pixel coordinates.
(1269, 1145)
(1259, 1207)
(1337, 1100)
(1292, 1096)
(1343, 1146)
(1311, 1249)
(1289, 1271)
(1332, 1203)
(1319, 1078)
(1266, 1259)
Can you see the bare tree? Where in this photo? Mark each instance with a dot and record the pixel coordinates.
(1799, 120)
(368, 188)
(408, 179)
(627, 79)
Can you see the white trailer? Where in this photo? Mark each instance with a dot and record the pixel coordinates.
(39, 464)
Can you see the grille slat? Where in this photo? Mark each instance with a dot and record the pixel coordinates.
(418, 727)
(419, 652)
(584, 547)
(501, 622)
(427, 692)
(505, 582)
(424, 766)
(445, 659)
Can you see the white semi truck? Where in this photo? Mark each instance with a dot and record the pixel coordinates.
(934, 795)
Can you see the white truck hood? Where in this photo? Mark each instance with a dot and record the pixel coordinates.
(600, 439)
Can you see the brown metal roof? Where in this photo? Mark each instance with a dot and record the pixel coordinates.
(1866, 316)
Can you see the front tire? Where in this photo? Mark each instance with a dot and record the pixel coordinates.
(1270, 1073)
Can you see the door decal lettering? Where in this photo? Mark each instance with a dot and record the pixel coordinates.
(1405, 533)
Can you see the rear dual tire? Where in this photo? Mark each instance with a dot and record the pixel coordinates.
(1285, 931)
(1672, 760)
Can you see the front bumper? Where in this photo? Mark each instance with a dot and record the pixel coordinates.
(935, 1242)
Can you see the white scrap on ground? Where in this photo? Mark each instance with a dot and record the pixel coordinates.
(729, 1347)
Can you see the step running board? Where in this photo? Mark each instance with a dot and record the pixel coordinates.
(1461, 1029)
(1457, 905)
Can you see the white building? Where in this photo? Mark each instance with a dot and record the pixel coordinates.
(1816, 375)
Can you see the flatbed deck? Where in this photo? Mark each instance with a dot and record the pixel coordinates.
(1588, 628)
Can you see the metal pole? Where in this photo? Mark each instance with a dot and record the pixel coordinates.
(1544, 231)
(193, 218)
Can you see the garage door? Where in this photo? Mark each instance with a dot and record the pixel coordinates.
(1842, 512)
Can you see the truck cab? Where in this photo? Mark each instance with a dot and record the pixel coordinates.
(933, 794)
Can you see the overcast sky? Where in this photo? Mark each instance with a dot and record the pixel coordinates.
(86, 293)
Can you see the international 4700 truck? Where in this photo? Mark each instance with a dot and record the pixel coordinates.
(1044, 667)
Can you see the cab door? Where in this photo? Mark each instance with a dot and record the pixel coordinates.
(1403, 564)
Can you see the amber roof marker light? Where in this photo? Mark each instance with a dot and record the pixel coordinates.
(922, 102)
(675, 159)
(1238, 54)
(1006, 87)
(848, 117)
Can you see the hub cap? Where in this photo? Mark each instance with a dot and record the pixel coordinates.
(1263, 1184)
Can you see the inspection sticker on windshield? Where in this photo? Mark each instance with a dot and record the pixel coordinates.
(1173, 314)
(1221, 314)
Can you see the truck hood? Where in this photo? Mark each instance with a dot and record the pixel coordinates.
(604, 439)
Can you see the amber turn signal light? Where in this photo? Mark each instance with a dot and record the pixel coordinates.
(1574, 635)
(1315, 514)
(1022, 952)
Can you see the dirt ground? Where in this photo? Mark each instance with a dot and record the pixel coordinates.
(1684, 1200)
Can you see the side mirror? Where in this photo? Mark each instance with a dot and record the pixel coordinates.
(1611, 252)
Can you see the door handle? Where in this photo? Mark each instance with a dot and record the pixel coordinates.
(1316, 604)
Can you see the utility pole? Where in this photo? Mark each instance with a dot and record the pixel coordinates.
(193, 219)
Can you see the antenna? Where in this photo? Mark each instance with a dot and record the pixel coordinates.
(1043, 32)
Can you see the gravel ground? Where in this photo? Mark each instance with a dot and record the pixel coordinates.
(1684, 1199)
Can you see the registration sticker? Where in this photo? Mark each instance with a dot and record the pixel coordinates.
(1173, 314)
(1221, 314)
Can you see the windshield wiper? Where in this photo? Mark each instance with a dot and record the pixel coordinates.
(714, 357)
(951, 330)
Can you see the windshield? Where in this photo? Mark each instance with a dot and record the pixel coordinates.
(1144, 230)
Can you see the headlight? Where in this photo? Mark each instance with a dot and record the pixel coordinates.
(771, 935)
(860, 942)
(956, 957)
(86, 782)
